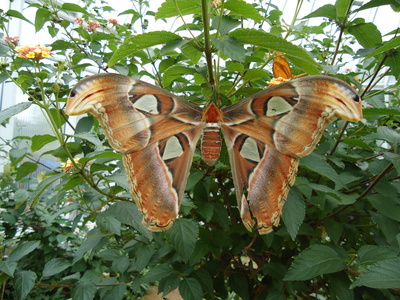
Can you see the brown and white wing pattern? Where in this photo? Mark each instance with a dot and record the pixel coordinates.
(155, 131)
(267, 133)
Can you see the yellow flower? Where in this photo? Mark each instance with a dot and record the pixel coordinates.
(69, 165)
(35, 52)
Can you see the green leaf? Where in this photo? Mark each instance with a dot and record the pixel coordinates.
(319, 165)
(84, 290)
(141, 41)
(43, 185)
(242, 8)
(175, 8)
(190, 289)
(367, 34)
(390, 207)
(339, 286)
(183, 236)
(327, 11)
(38, 141)
(175, 72)
(22, 250)
(25, 169)
(370, 111)
(13, 110)
(94, 238)
(382, 275)
(16, 14)
(297, 55)
(158, 272)
(127, 213)
(74, 7)
(239, 284)
(389, 45)
(375, 3)
(55, 266)
(8, 267)
(314, 261)
(106, 220)
(370, 254)
(293, 212)
(224, 24)
(342, 7)
(21, 195)
(24, 281)
(42, 16)
(230, 47)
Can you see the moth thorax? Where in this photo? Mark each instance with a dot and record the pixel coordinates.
(210, 144)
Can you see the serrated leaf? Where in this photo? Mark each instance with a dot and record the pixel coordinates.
(84, 290)
(18, 15)
(25, 169)
(175, 8)
(24, 281)
(23, 249)
(390, 207)
(13, 110)
(297, 55)
(367, 34)
(109, 222)
(141, 41)
(230, 47)
(190, 289)
(38, 141)
(293, 212)
(327, 11)
(158, 272)
(242, 8)
(175, 72)
(314, 261)
(382, 275)
(127, 213)
(8, 267)
(74, 7)
(94, 238)
(370, 254)
(183, 236)
(319, 165)
(224, 24)
(55, 266)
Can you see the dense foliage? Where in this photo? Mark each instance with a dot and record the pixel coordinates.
(73, 231)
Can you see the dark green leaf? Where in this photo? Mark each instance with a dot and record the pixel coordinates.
(84, 290)
(22, 250)
(327, 11)
(38, 141)
(382, 275)
(141, 41)
(314, 261)
(25, 169)
(190, 289)
(43, 185)
(224, 24)
(175, 72)
(242, 8)
(293, 212)
(13, 110)
(239, 284)
(370, 254)
(8, 267)
(389, 45)
(390, 207)
(55, 266)
(183, 235)
(230, 47)
(158, 272)
(371, 111)
(297, 55)
(175, 8)
(367, 34)
(106, 220)
(24, 281)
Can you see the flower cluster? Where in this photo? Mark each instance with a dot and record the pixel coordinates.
(69, 164)
(113, 21)
(35, 52)
(11, 40)
(79, 21)
(93, 25)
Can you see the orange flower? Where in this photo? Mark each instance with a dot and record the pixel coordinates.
(113, 21)
(11, 40)
(35, 52)
(79, 21)
(93, 25)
